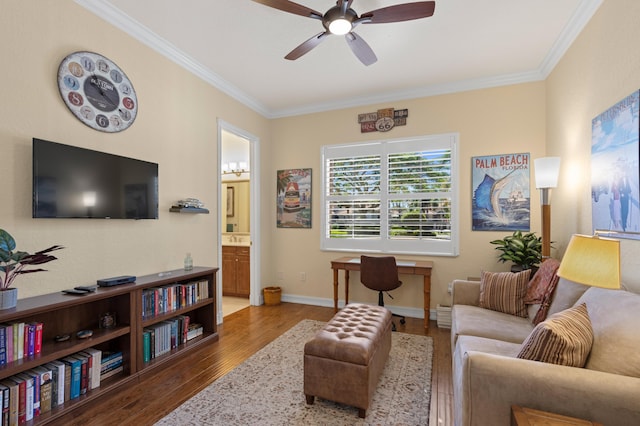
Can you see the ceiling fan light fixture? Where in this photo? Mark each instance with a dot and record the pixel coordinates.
(340, 26)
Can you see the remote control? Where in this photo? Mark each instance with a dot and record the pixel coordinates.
(87, 288)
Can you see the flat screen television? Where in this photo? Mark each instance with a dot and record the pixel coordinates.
(72, 182)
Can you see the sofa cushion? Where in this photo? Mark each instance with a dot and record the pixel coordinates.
(476, 321)
(565, 296)
(615, 319)
(564, 338)
(504, 292)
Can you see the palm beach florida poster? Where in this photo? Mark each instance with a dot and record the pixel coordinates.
(501, 198)
(615, 170)
(294, 198)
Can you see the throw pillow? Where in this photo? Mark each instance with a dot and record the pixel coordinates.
(504, 292)
(564, 338)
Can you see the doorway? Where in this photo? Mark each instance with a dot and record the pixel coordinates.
(237, 206)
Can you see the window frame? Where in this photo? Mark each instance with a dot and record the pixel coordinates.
(383, 244)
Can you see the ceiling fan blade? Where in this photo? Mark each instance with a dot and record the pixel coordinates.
(360, 48)
(291, 7)
(399, 12)
(307, 46)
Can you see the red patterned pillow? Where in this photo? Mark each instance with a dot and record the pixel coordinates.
(504, 292)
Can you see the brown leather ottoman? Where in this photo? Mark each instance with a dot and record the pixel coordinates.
(345, 359)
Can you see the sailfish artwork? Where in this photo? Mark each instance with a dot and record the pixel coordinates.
(487, 194)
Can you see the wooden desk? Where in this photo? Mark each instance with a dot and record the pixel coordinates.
(521, 416)
(418, 267)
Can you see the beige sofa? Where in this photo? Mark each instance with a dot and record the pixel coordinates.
(488, 378)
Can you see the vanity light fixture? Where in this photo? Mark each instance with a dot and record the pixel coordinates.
(235, 168)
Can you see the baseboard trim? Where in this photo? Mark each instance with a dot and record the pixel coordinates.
(318, 301)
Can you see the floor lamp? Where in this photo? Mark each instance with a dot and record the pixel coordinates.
(547, 170)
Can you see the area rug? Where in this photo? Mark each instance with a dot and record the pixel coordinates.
(267, 389)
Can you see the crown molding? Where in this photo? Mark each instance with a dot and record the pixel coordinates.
(107, 11)
(116, 17)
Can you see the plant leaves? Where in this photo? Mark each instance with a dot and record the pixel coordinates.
(7, 243)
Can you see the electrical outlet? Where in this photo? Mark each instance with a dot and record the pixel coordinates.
(450, 288)
(303, 276)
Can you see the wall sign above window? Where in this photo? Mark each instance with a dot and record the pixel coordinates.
(382, 120)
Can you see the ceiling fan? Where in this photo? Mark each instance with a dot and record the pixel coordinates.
(341, 20)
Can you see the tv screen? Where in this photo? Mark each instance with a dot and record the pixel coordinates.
(72, 182)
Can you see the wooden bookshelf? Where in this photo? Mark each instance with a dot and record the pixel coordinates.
(67, 314)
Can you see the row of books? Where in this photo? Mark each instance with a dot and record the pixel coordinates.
(20, 340)
(159, 300)
(162, 337)
(31, 393)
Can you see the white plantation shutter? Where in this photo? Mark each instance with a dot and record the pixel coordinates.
(391, 196)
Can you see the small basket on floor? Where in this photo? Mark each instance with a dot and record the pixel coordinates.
(272, 295)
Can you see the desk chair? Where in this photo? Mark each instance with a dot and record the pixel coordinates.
(381, 274)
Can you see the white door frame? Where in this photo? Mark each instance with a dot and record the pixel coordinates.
(254, 220)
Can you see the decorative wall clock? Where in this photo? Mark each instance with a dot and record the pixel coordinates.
(97, 92)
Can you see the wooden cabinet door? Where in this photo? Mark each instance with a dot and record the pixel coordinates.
(243, 271)
(229, 274)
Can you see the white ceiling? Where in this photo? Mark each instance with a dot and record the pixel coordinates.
(239, 47)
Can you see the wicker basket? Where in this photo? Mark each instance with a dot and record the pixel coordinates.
(272, 295)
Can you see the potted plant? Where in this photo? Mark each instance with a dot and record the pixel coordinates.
(14, 263)
(524, 250)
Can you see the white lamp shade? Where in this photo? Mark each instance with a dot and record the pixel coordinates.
(593, 261)
(547, 170)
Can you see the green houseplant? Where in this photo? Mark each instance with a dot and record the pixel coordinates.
(14, 263)
(524, 250)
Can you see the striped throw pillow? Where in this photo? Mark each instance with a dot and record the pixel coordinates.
(504, 292)
(564, 338)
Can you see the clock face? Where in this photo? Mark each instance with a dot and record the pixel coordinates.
(97, 92)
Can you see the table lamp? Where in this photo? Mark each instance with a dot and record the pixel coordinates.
(593, 261)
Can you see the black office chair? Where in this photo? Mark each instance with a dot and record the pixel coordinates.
(380, 274)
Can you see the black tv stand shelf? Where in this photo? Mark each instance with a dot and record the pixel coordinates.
(67, 314)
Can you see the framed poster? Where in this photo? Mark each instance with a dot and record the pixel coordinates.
(615, 172)
(231, 199)
(294, 198)
(501, 198)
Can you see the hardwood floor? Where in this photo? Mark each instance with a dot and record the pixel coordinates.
(242, 334)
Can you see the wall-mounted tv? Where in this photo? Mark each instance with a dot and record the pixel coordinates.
(72, 182)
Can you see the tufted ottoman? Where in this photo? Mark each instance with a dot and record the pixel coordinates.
(345, 359)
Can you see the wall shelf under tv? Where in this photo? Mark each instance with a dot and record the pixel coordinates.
(188, 210)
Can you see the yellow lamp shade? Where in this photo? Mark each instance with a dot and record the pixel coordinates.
(592, 261)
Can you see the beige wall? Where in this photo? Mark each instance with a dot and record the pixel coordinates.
(493, 121)
(176, 127)
(601, 68)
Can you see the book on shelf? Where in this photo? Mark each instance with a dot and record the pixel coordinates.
(21, 385)
(28, 395)
(13, 400)
(75, 367)
(58, 375)
(146, 346)
(29, 340)
(3, 344)
(9, 342)
(195, 330)
(112, 372)
(4, 397)
(84, 371)
(18, 340)
(96, 365)
(38, 337)
(46, 382)
(171, 297)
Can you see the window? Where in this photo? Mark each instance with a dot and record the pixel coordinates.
(398, 196)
